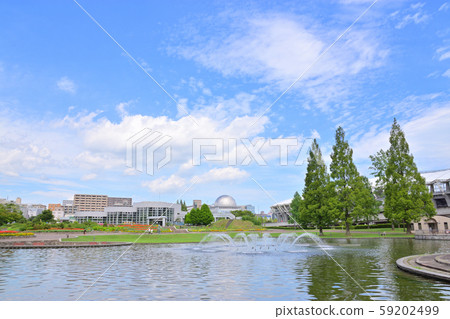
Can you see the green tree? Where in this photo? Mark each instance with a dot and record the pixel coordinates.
(349, 200)
(242, 213)
(183, 205)
(206, 215)
(316, 206)
(45, 216)
(407, 197)
(367, 207)
(187, 219)
(295, 211)
(10, 213)
(194, 216)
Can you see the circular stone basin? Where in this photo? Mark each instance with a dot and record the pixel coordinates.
(433, 266)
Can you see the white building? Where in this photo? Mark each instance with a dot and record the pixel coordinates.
(281, 211)
(145, 213)
(224, 205)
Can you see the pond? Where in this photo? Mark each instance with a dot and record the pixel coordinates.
(222, 271)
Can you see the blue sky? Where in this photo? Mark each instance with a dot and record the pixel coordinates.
(70, 97)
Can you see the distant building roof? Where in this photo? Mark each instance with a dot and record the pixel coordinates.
(436, 176)
(285, 202)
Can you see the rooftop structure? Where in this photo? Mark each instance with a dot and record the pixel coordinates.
(224, 205)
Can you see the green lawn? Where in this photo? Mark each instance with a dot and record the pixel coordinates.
(147, 238)
(362, 235)
(197, 237)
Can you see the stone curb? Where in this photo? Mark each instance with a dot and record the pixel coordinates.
(408, 264)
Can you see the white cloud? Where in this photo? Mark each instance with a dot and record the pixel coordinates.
(414, 14)
(276, 49)
(67, 85)
(444, 56)
(98, 144)
(89, 177)
(279, 48)
(427, 135)
(121, 108)
(164, 185)
(233, 174)
(446, 73)
(444, 7)
(55, 193)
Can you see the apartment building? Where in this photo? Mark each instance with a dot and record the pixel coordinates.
(90, 203)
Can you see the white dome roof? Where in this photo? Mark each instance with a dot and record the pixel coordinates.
(225, 201)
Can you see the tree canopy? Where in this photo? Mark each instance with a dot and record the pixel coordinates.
(407, 197)
(317, 205)
(45, 216)
(10, 213)
(202, 216)
(353, 197)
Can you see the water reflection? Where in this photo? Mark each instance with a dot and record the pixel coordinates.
(183, 272)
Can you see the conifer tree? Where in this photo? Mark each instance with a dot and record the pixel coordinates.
(295, 211)
(316, 207)
(350, 195)
(407, 197)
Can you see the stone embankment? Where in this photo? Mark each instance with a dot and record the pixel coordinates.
(435, 266)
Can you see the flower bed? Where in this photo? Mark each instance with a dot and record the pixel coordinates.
(15, 234)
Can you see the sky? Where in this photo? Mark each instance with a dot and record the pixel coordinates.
(234, 92)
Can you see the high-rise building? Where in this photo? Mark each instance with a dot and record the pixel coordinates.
(97, 203)
(90, 203)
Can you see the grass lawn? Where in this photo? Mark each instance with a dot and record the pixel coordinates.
(147, 238)
(390, 234)
(197, 237)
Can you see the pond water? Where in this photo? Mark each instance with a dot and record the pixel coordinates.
(222, 271)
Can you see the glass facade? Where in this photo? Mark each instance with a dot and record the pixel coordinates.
(95, 219)
(143, 215)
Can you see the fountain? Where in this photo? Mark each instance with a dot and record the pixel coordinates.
(256, 244)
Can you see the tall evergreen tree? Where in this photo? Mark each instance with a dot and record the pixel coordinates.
(347, 183)
(367, 207)
(316, 207)
(295, 211)
(407, 197)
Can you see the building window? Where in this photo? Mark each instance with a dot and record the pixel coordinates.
(420, 226)
(440, 202)
(440, 187)
(446, 226)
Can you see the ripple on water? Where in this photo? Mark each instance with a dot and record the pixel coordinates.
(215, 272)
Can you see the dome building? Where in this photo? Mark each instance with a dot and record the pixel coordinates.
(224, 205)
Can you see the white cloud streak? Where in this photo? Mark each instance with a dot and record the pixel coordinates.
(67, 85)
